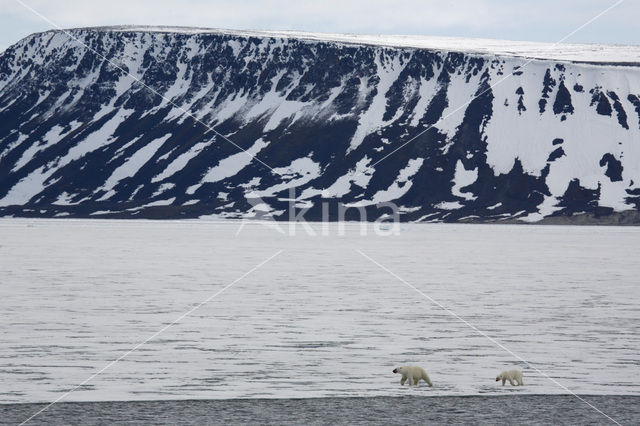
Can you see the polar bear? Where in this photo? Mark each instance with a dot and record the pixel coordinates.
(511, 375)
(414, 374)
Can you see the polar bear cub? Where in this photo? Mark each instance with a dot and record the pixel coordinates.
(414, 374)
(510, 375)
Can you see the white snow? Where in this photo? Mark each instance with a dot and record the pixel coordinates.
(276, 104)
(359, 176)
(319, 307)
(178, 87)
(130, 167)
(426, 91)
(529, 137)
(269, 101)
(26, 188)
(193, 188)
(371, 119)
(562, 51)
(299, 172)
(34, 183)
(398, 188)
(448, 205)
(163, 188)
(230, 107)
(64, 199)
(234, 163)
(49, 139)
(459, 93)
(462, 178)
(405, 209)
(253, 183)
(180, 162)
(510, 135)
(21, 138)
(425, 217)
(166, 202)
(285, 110)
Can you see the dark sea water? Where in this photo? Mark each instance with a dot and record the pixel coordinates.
(512, 409)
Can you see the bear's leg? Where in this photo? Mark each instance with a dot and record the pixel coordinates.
(520, 382)
(504, 381)
(426, 379)
(511, 382)
(404, 379)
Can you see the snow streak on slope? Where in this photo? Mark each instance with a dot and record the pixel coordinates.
(326, 113)
(399, 187)
(371, 119)
(134, 163)
(234, 163)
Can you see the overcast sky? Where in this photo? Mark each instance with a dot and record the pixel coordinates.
(534, 20)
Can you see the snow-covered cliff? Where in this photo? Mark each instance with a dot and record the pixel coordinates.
(557, 134)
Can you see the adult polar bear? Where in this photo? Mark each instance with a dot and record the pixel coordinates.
(510, 375)
(414, 374)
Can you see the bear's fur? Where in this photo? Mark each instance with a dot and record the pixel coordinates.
(412, 373)
(510, 375)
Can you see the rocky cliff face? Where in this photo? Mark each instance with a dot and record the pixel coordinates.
(324, 119)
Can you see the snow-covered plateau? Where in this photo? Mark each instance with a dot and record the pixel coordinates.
(162, 122)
